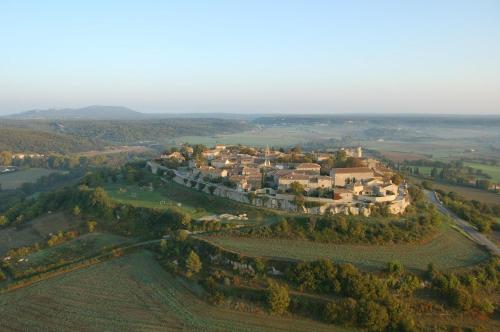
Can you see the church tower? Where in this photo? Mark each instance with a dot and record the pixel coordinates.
(359, 152)
(267, 163)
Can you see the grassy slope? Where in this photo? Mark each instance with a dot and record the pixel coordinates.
(14, 180)
(128, 294)
(190, 200)
(448, 250)
(136, 196)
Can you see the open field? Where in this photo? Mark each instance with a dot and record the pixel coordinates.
(430, 148)
(35, 230)
(424, 170)
(121, 149)
(448, 250)
(136, 196)
(433, 143)
(196, 203)
(467, 192)
(493, 171)
(397, 140)
(15, 179)
(131, 293)
(272, 136)
(398, 156)
(83, 246)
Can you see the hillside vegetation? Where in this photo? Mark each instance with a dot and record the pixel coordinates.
(130, 131)
(33, 140)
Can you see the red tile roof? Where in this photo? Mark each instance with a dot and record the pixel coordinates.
(308, 165)
(352, 170)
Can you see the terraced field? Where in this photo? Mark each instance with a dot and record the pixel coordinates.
(448, 250)
(131, 293)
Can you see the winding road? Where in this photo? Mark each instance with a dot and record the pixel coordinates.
(473, 233)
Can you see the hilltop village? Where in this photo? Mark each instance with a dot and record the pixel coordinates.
(332, 181)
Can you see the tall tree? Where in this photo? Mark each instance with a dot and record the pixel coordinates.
(278, 298)
(193, 263)
(5, 158)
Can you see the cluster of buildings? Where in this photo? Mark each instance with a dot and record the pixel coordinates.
(22, 156)
(281, 177)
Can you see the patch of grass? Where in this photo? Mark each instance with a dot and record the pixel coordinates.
(131, 293)
(448, 250)
(15, 179)
(136, 196)
(424, 170)
(493, 171)
(196, 203)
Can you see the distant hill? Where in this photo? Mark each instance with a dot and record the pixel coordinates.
(30, 140)
(129, 131)
(99, 112)
(95, 112)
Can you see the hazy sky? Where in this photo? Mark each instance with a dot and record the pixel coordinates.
(252, 56)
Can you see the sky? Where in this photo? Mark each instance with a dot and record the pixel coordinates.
(252, 56)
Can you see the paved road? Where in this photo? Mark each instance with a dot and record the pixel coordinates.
(475, 235)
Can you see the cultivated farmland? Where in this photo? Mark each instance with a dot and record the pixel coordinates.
(15, 179)
(448, 250)
(85, 246)
(132, 293)
(35, 230)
